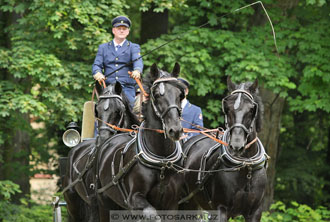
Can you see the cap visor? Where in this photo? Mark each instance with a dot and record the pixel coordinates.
(120, 24)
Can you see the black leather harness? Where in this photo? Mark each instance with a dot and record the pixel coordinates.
(230, 162)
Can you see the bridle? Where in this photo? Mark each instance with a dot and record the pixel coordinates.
(160, 115)
(240, 92)
(106, 107)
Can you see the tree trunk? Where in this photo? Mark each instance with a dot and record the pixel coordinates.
(269, 136)
(327, 173)
(16, 158)
(15, 152)
(153, 24)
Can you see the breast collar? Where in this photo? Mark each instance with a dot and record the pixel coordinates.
(258, 161)
(152, 160)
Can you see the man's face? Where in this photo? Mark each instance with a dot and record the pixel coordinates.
(186, 91)
(120, 32)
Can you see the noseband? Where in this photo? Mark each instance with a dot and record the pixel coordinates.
(162, 91)
(241, 92)
(106, 107)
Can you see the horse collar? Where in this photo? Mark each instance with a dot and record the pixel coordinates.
(258, 161)
(152, 160)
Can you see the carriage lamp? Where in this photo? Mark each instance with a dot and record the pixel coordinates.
(71, 137)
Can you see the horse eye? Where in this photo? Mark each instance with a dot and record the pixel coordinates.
(252, 111)
(156, 95)
(225, 108)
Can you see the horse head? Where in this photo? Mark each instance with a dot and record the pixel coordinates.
(165, 96)
(243, 111)
(110, 109)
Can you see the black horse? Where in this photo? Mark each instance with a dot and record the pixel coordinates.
(230, 179)
(135, 171)
(112, 107)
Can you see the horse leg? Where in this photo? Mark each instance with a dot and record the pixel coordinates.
(222, 214)
(104, 214)
(254, 216)
(189, 205)
(105, 205)
(74, 206)
(137, 201)
(92, 209)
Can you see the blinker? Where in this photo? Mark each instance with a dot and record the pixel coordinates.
(106, 105)
(161, 89)
(238, 101)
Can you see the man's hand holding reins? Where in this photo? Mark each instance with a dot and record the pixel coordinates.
(99, 76)
(135, 74)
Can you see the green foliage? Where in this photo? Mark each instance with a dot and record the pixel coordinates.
(279, 212)
(207, 56)
(302, 167)
(24, 213)
(161, 5)
(46, 57)
(297, 212)
(241, 45)
(7, 189)
(28, 211)
(45, 67)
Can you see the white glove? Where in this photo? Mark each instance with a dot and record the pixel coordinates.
(99, 76)
(136, 74)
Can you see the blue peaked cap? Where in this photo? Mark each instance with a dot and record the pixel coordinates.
(185, 82)
(121, 21)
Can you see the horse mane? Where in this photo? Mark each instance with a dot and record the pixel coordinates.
(258, 100)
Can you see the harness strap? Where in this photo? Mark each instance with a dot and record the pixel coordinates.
(80, 176)
(201, 183)
(190, 195)
(187, 149)
(204, 159)
(120, 174)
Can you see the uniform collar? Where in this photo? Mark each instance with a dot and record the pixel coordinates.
(121, 44)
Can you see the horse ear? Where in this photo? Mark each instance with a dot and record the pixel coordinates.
(118, 88)
(176, 70)
(231, 86)
(254, 86)
(154, 72)
(99, 88)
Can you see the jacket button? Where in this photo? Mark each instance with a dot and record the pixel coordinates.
(116, 64)
(116, 58)
(117, 77)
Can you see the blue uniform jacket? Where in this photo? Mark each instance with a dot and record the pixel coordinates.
(108, 60)
(192, 114)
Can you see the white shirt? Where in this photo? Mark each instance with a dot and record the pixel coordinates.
(184, 103)
(115, 44)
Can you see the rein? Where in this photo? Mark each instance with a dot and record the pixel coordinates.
(186, 130)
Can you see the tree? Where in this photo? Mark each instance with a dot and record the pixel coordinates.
(47, 48)
(241, 45)
(45, 63)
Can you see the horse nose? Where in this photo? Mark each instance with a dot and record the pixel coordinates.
(237, 139)
(175, 132)
(236, 147)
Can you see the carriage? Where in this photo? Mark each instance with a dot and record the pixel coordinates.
(147, 168)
